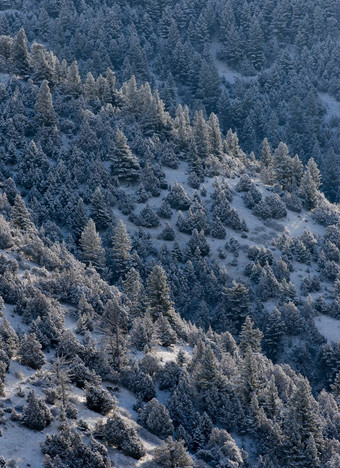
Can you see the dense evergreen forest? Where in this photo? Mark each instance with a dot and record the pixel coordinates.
(169, 233)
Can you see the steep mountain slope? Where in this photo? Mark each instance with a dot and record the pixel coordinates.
(267, 69)
(157, 282)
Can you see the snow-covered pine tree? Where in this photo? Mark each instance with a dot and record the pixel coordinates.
(91, 246)
(124, 164)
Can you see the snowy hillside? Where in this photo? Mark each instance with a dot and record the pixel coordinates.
(169, 266)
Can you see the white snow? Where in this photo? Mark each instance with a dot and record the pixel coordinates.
(4, 78)
(331, 104)
(224, 71)
(328, 327)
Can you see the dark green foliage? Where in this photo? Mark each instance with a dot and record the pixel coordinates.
(158, 293)
(173, 454)
(98, 399)
(124, 164)
(117, 434)
(30, 352)
(155, 417)
(36, 414)
(177, 198)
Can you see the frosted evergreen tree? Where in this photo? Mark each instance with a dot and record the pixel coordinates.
(214, 135)
(201, 136)
(155, 417)
(207, 371)
(237, 302)
(8, 338)
(164, 211)
(158, 293)
(218, 230)
(147, 217)
(308, 190)
(90, 86)
(331, 175)
(117, 434)
(80, 219)
(178, 198)
(20, 54)
(98, 399)
(143, 332)
(250, 336)
(44, 105)
(173, 454)
(91, 246)
(124, 164)
(167, 233)
(303, 438)
(198, 241)
(100, 212)
(73, 81)
(85, 313)
(113, 325)
(274, 333)
(30, 352)
(266, 155)
(282, 164)
(20, 215)
(121, 250)
(36, 414)
(134, 290)
(165, 334)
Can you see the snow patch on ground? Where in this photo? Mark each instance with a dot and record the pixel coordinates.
(224, 71)
(331, 104)
(328, 327)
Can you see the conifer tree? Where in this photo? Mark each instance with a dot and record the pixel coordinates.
(73, 80)
(249, 376)
(282, 164)
(207, 373)
(124, 164)
(44, 105)
(237, 302)
(303, 438)
(214, 135)
(250, 336)
(158, 293)
(8, 338)
(314, 172)
(331, 176)
(166, 336)
(113, 325)
(30, 352)
(172, 454)
(266, 155)
(91, 246)
(155, 417)
(100, 212)
(218, 230)
(178, 198)
(273, 334)
(36, 414)
(20, 53)
(308, 190)
(90, 86)
(80, 219)
(121, 250)
(134, 290)
(201, 136)
(20, 215)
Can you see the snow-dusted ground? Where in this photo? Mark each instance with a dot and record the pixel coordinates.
(4, 78)
(328, 327)
(224, 71)
(331, 104)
